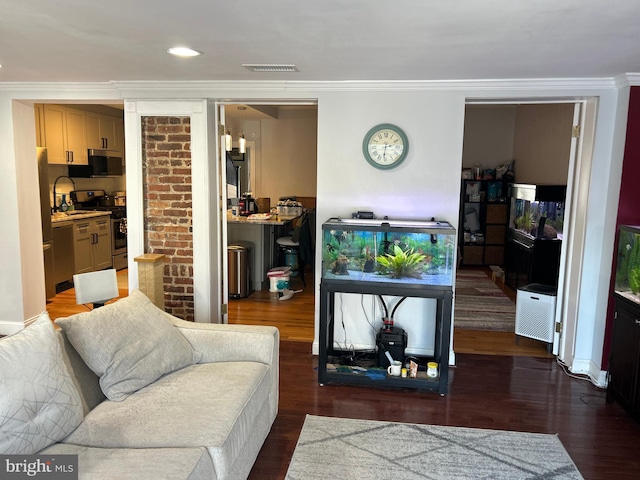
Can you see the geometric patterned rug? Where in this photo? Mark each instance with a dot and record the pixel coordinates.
(481, 305)
(343, 448)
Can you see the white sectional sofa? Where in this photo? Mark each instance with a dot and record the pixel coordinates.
(140, 394)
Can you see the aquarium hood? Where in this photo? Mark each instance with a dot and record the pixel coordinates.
(384, 222)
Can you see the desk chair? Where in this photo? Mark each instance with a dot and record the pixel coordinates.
(302, 242)
(96, 287)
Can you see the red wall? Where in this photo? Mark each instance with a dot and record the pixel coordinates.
(629, 204)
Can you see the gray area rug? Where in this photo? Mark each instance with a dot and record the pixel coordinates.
(343, 448)
(481, 305)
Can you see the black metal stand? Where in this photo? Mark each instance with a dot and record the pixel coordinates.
(443, 296)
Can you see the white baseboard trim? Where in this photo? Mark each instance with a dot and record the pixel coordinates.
(9, 328)
(587, 367)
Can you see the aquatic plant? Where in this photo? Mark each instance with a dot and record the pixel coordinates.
(634, 268)
(401, 264)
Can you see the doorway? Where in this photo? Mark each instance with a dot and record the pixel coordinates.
(280, 162)
(535, 139)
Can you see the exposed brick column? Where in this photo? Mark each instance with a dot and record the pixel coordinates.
(166, 148)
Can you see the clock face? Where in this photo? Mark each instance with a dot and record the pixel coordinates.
(385, 146)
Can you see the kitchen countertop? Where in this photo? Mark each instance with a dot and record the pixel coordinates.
(60, 217)
(280, 220)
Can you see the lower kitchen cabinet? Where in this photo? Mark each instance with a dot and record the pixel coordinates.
(624, 362)
(92, 244)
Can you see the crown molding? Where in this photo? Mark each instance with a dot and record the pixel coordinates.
(217, 89)
(633, 79)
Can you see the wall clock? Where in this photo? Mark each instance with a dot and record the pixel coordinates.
(385, 146)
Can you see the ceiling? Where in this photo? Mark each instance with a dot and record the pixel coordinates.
(328, 40)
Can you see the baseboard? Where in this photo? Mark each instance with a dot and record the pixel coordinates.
(587, 367)
(9, 328)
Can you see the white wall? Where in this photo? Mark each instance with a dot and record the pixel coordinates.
(287, 165)
(488, 135)
(542, 143)
(425, 185)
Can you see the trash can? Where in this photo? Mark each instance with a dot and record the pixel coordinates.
(239, 257)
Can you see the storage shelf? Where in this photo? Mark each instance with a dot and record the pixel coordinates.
(443, 296)
(492, 223)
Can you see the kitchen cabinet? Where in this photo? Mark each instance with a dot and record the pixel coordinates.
(65, 135)
(38, 110)
(624, 363)
(63, 257)
(92, 244)
(102, 131)
(483, 214)
(624, 359)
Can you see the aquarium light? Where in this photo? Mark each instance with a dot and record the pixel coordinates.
(394, 223)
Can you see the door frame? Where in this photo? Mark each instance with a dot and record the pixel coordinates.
(578, 182)
(222, 238)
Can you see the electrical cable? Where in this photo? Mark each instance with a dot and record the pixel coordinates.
(565, 368)
(364, 310)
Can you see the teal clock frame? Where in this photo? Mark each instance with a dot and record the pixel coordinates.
(376, 129)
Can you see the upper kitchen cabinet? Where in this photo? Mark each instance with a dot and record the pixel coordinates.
(65, 135)
(103, 132)
(39, 116)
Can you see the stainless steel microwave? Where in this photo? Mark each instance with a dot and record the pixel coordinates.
(102, 163)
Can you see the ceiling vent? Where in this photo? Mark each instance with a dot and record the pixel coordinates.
(256, 67)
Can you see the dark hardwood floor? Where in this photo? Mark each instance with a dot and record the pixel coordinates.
(495, 384)
(486, 391)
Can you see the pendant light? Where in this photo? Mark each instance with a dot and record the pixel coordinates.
(227, 140)
(242, 143)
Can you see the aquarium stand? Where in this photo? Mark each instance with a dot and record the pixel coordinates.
(443, 296)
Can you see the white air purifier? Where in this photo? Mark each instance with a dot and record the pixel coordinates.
(536, 312)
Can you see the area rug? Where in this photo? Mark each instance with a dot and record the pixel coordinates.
(481, 305)
(343, 448)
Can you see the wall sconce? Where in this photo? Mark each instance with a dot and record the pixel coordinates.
(227, 140)
(242, 143)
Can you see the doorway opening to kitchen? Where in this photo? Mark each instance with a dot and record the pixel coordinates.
(278, 168)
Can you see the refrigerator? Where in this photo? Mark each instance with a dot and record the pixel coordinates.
(47, 232)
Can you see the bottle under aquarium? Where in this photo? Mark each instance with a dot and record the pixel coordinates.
(408, 252)
(537, 211)
(627, 275)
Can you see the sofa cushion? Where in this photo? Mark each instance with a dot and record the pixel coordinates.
(39, 404)
(128, 344)
(216, 405)
(138, 463)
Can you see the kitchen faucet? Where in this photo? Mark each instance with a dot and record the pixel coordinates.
(55, 207)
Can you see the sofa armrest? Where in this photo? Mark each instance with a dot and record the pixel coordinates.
(236, 343)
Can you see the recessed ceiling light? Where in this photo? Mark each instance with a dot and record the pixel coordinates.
(183, 52)
(254, 67)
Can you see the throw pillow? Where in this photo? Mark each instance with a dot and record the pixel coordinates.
(128, 344)
(39, 404)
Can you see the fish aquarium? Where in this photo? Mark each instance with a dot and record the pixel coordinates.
(627, 276)
(537, 211)
(388, 251)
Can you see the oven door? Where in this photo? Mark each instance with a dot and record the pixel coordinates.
(119, 236)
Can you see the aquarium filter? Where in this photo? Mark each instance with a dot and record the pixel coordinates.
(394, 341)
